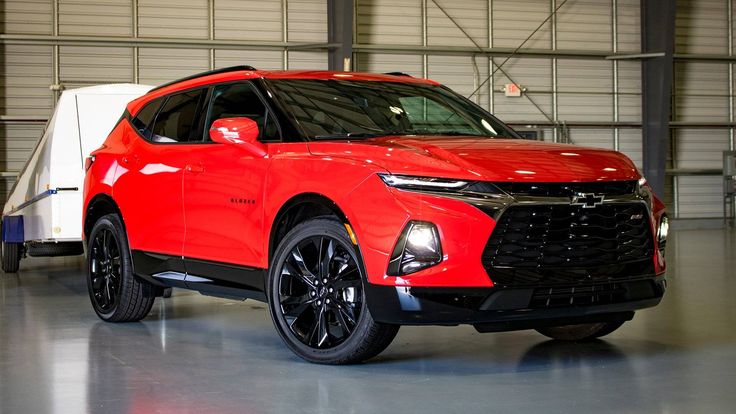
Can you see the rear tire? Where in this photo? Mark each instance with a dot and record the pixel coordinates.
(581, 332)
(11, 254)
(117, 295)
(317, 298)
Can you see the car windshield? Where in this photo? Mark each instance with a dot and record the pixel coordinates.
(344, 109)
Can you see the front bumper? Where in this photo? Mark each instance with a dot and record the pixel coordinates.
(504, 309)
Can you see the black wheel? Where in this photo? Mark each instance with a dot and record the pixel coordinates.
(11, 254)
(116, 294)
(55, 249)
(317, 297)
(581, 332)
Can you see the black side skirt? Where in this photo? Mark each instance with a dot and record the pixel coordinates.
(206, 277)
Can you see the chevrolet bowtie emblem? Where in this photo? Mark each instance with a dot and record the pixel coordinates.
(587, 200)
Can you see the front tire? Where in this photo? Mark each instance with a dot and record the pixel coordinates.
(317, 298)
(117, 295)
(580, 332)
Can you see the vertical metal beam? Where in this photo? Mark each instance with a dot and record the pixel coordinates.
(731, 114)
(136, 49)
(56, 87)
(425, 59)
(285, 33)
(657, 35)
(555, 102)
(614, 39)
(491, 102)
(340, 31)
(211, 27)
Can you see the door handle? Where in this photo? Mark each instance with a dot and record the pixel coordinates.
(194, 168)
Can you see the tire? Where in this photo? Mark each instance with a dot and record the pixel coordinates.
(324, 323)
(55, 249)
(581, 332)
(117, 295)
(11, 254)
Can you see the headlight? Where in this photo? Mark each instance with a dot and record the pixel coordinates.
(662, 230)
(421, 183)
(418, 248)
(471, 188)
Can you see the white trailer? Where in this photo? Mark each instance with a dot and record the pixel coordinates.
(43, 215)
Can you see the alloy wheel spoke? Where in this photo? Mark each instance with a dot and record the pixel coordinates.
(301, 266)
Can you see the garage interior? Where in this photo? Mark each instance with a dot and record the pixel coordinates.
(652, 79)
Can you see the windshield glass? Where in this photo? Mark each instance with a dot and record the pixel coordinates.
(338, 109)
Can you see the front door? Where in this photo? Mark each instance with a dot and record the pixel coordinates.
(224, 189)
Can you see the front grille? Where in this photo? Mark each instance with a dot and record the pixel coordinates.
(545, 245)
(605, 188)
(591, 295)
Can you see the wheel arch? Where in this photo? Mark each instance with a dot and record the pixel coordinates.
(298, 209)
(100, 205)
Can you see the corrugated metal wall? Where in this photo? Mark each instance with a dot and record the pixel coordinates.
(585, 99)
(143, 41)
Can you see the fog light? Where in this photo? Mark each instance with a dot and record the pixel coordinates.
(418, 248)
(662, 230)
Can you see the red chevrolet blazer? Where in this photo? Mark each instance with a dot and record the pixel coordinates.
(353, 203)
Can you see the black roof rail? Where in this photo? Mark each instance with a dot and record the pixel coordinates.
(398, 74)
(207, 73)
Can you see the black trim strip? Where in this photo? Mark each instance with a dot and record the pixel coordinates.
(220, 279)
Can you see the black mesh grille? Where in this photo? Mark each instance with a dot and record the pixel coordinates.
(606, 188)
(542, 245)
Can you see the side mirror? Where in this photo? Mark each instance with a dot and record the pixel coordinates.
(240, 131)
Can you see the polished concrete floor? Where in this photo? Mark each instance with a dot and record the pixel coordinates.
(199, 354)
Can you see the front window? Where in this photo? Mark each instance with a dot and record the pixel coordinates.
(337, 109)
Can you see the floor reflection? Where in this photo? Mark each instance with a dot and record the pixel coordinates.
(200, 354)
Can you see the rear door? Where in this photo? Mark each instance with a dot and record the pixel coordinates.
(150, 175)
(224, 187)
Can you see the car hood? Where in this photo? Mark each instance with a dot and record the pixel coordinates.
(486, 159)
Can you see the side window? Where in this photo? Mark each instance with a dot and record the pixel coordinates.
(177, 120)
(143, 122)
(241, 100)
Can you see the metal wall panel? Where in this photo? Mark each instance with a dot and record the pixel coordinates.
(630, 144)
(389, 22)
(159, 65)
(92, 65)
(629, 91)
(533, 74)
(261, 59)
(701, 91)
(514, 21)
(701, 26)
(700, 196)
(585, 25)
(307, 21)
(25, 79)
(700, 148)
(462, 73)
(248, 20)
(628, 25)
(585, 90)
(386, 62)
(471, 15)
(96, 17)
(26, 16)
(173, 18)
(17, 142)
(589, 137)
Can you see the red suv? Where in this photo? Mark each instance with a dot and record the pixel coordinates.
(354, 203)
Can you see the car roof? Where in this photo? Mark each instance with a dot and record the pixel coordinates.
(240, 73)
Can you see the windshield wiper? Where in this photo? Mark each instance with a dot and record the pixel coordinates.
(448, 133)
(349, 135)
